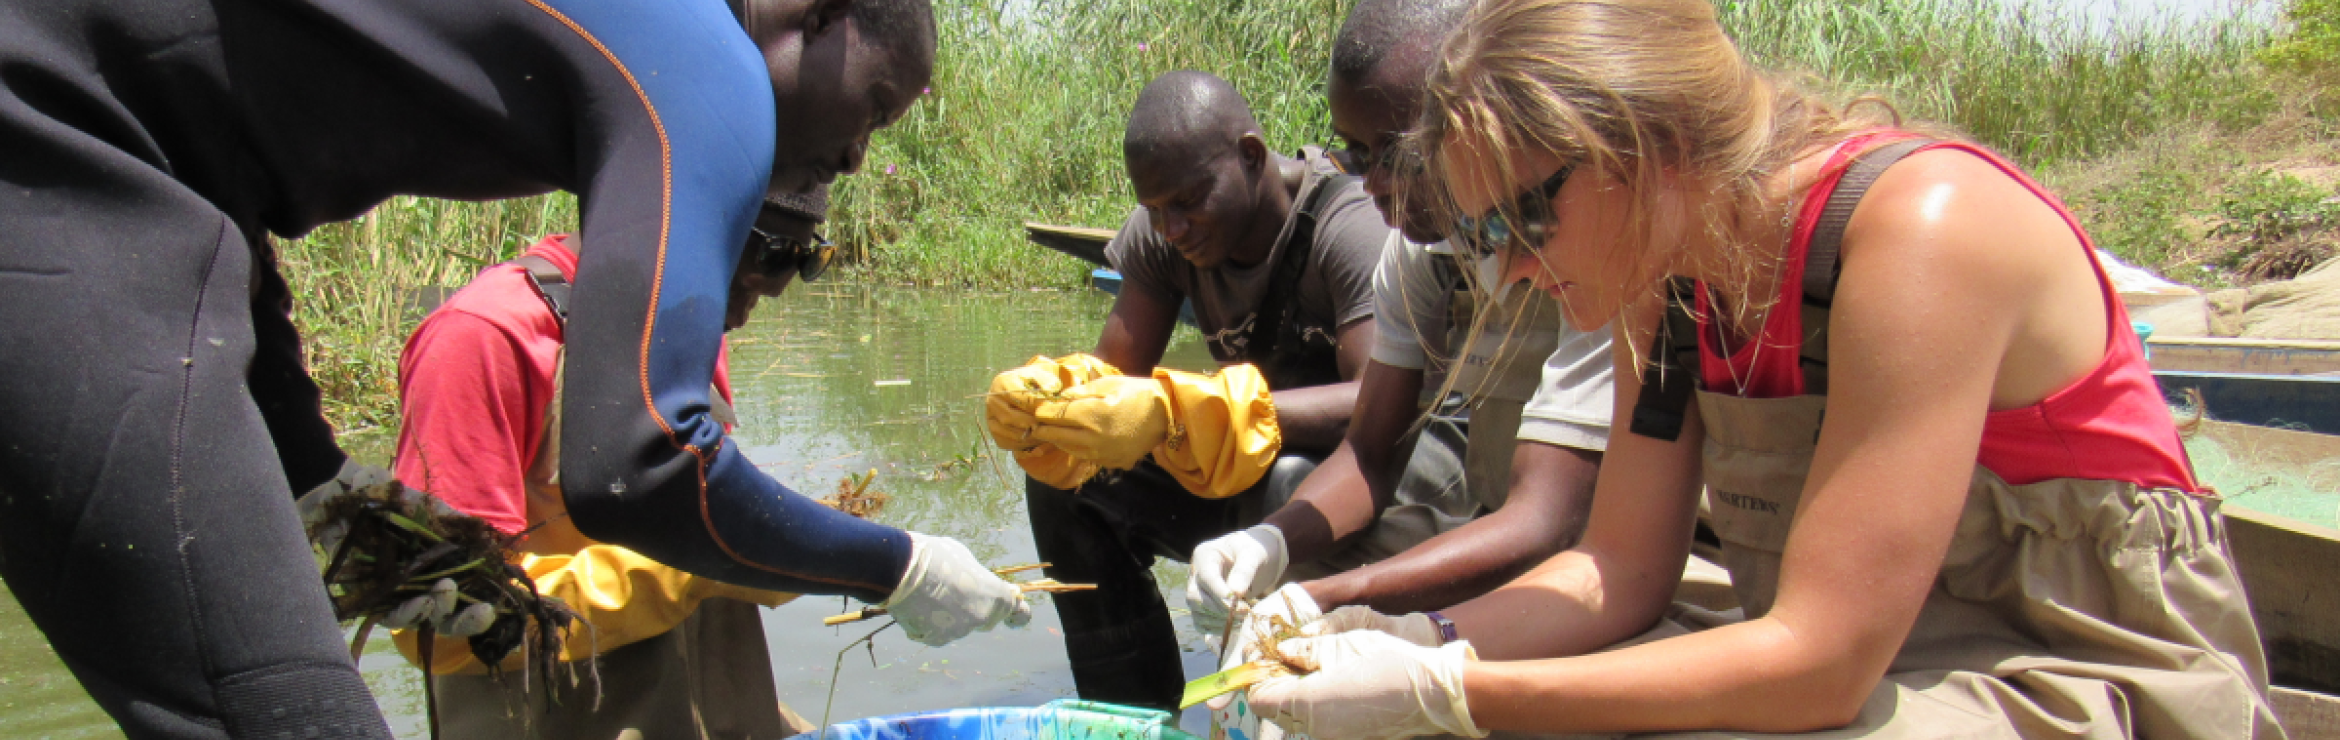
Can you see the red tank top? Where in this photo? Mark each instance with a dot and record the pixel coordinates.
(2111, 424)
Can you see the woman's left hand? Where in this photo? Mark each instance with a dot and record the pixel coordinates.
(1369, 685)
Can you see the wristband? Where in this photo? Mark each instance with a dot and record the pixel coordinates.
(1446, 631)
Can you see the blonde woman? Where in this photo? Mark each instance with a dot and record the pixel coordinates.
(1950, 495)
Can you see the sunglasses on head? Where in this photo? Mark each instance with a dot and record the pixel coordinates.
(808, 257)
(1492, 231)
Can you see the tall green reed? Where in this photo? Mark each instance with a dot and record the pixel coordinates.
(360, 286)
(2039, 87)
(1024, 122)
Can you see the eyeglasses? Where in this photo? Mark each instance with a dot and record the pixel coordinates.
(808, 257)
(1482, 236)
(1394, 154)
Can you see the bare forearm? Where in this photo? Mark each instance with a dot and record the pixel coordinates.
(1388, 403)
(1558, 608)
(1755, 676)
(1330, 506)
(1443, 571)
(1348, 491)
(1551, 496)
(1314, 419)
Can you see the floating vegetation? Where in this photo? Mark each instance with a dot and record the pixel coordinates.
(960, 462)
(397, 558)
(854, 496)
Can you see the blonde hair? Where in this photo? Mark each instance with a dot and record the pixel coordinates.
(1637, 90)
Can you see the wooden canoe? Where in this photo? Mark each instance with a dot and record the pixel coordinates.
(2255, 356)
(2288, 567)
(1084, 243)
(2290, 383)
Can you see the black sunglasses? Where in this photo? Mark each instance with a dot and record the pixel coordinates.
(808, 257)
(1482, 236)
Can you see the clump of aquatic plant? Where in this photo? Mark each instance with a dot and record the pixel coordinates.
(397, 558)
(856, 497)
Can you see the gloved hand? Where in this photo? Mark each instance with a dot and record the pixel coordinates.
(1369, 684)
(354, 478)
(624, 597)
(1007, 414)
(1270, 618)
(947, 594)
(1216, 434)
(1224, 434)
(1112, 421)
(1244, 564)
(1289, 608)
(1415, 628)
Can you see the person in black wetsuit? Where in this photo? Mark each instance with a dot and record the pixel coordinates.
(148, 382)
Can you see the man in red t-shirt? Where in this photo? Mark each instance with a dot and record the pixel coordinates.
(478, 382)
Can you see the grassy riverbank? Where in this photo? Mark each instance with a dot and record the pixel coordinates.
(2189, 148)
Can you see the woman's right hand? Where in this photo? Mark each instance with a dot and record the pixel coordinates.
(1369, 685)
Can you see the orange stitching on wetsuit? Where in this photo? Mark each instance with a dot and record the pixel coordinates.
(665, 203)
(658, 283)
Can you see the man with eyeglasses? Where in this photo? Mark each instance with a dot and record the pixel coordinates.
(680, 656)
(1500, 474)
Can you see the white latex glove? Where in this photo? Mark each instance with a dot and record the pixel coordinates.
(1415, 628)
(353, 476)
(1290, 605)
(948, 594)
(1246, 564)
(1370, 685)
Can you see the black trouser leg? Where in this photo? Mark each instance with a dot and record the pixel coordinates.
(1122, 644)
(145, 520)
(1119, 637)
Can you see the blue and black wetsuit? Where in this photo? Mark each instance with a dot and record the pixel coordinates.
(148, 149)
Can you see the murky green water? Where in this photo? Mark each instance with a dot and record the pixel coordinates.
(818, 376)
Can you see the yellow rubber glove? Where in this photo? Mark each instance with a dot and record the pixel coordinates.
(1112, 421)
(1008, 407)
(627, 598)
(1224, 434)
(1216, 434)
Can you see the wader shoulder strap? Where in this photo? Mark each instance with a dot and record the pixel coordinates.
(1673, 354)
(1275, 309)
(550, 285)
(1820, 265)
(1671, 374)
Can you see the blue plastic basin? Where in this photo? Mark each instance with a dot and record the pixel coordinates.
(1063, 719)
